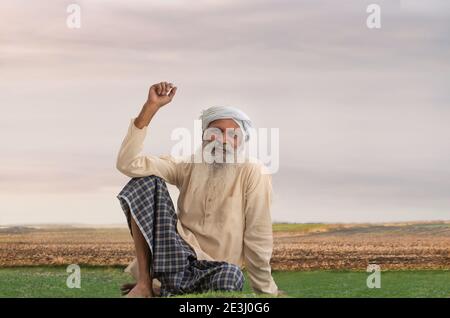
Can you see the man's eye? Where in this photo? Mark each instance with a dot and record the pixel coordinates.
(235, 134)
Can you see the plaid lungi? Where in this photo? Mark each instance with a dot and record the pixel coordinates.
(174, 262)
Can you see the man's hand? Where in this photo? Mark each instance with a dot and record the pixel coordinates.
(160, 94)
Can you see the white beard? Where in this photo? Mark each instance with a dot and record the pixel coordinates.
(219, 154)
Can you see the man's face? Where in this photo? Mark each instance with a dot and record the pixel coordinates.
(223, 134)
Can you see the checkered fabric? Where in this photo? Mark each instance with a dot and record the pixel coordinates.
(173, 262)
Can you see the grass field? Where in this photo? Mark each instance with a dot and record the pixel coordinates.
(50, 281)
(309, 260)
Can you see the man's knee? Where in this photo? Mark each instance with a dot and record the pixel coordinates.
(146, 182)
(148, 179)
(143, 186)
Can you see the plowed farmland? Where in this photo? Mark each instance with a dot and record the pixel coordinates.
(296, 246)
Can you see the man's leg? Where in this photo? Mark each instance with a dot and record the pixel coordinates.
(228, 277)
(143, 286)
(148, 206)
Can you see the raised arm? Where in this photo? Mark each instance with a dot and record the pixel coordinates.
(130, 161)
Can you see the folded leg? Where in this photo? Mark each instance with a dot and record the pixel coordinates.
(149, 209)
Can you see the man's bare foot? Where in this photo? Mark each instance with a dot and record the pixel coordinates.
(141, 291)
(156, 291)
(126, 288)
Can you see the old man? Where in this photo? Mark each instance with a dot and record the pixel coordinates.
(223, 219)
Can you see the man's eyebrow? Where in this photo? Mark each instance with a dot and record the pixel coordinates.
(224, 129)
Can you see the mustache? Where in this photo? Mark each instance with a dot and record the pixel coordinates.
(216, 145)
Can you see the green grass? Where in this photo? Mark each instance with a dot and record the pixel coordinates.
(105, 281)
(299, 227)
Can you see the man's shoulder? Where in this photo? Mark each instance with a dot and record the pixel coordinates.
(255, 166)
(257, 177)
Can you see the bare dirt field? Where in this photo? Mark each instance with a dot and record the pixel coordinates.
(419, 245)
(392, 246)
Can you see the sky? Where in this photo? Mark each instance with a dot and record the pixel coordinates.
(363, 114)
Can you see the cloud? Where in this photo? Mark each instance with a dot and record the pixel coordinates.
(362, 113)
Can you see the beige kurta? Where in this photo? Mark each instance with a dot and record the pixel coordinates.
(224, 214)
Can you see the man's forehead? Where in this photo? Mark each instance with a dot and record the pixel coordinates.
(223, 123)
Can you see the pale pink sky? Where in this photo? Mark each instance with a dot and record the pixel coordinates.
(363, 114)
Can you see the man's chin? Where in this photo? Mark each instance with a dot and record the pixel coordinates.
(225, 158)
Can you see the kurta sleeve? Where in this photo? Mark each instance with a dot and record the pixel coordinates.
(132, 163)
(258, 236)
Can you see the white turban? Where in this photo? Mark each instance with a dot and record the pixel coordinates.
(222, 112)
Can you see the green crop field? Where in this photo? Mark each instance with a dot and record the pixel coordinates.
(50, 281)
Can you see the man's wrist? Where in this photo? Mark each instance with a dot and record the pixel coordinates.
(151, 106)
(146, 114)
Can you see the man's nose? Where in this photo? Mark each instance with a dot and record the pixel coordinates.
(220, 138)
